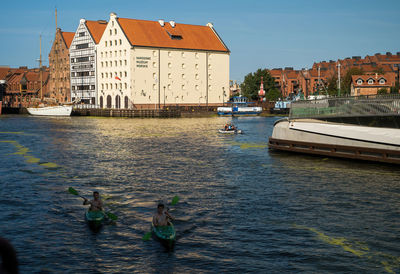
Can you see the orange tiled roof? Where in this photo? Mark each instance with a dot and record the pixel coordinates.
(4, 71)
(68, 36)
(96, 29)
(152, 34)
(365, 78)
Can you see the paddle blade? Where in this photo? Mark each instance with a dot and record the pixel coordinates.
(146, 236)
(175, 200)
(111, 216)
(72, 191)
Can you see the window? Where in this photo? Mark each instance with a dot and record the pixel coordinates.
(73, 87)
(126, 74)
(101, 64)
(115, 31)
(197, 87)
(183, 55)
(106, 86)
(183, 76)
(92, 73)
(154, 86)
(82, 46)
(115, 42)
(92, 87)
(106, 75)
(115, 53)
(169, 65)
(196, 66)
(110, 32)
(105, 43)
(102, 86)
(359, 82)
(154, 53)
(169, 87)
(126, 85)
(125, 63)
(382, 81)
(116, 63)
(112, 23)
(106, 54)
(169, 76)
(154, 64)
(110, 54)
(124, 52)
(196, 55)
(102, 75)
(154, 75)
(209, 76)
(110, 43)
(120, 41)
(169, 54)
(183, 65)
(120, 53)
(197, 77)
(101, 54)
(106, 64)
(183, 87)
(370, 81)
(81, 34)
(82, 59)
(209, 66)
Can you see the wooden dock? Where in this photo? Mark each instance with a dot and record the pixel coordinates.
(129, 113)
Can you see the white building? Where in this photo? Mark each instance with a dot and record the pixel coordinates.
(83, 61)
(150, 64)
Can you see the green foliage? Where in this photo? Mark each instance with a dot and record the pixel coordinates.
(347, 79)
(395, 89)
(273, 94)
(332, 86)
(378, 70)
(252, 81)
(382, 91)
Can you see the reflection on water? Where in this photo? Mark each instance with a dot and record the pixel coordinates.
(242, 208)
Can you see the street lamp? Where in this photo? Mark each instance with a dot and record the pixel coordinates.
(223, 96)
(164, 97)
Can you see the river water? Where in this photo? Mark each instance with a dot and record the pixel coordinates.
(242, 208)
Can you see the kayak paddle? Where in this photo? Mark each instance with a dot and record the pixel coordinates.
(75, 192)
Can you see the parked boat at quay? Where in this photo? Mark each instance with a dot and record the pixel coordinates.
(352, 127)
(239, 106)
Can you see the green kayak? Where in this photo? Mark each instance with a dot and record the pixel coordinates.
(95, 218)
(165, 234)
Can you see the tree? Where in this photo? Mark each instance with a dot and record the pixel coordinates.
(332, 86)
(273, 95)
(252, 81)
(347, 79)
(382, 91)
(395, 89)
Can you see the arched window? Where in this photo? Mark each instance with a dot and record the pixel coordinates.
(370, 81)
(117, 101)
(359, 82)
(101, 101)
(382, 81)
(108, 101)
(126, 102)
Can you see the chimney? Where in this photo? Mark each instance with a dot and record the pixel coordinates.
(388, 53)
(398, 53)
(172, 23)
(161, 21)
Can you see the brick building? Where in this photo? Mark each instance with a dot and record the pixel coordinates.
(23, 86)
(59, 82)
(370, 84)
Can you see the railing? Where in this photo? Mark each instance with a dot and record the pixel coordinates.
(383, 105)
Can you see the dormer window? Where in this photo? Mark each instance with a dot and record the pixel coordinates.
(359, 82)
(370, 81)
(382, 81)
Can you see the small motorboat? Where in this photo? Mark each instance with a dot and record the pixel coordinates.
(230, 131)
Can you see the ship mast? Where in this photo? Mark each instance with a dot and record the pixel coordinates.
(40, 69)
(56, 58)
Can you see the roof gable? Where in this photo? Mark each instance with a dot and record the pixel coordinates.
(68, 37)
(96, 29)
(182, 36)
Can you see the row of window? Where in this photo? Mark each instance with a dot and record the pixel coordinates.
(371, 81)
(84, 87)
(106, 63)
(115, 85)
(82, 59)
(110, 43)
(82, 73)
(106, 54)
(183, 75)
(110, 75)
(183, 54)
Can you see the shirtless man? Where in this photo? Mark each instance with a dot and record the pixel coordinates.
(96, 204)
(161, 216)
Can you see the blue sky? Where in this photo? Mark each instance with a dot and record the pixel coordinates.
(260, 34)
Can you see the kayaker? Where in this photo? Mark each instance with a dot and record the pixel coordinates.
(96, 204)
(161, 216)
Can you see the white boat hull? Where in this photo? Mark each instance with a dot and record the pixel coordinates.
(230, 131)
(51, 111)
(336, 139)
(239, 111)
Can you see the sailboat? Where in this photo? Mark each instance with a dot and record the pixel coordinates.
(42, 109)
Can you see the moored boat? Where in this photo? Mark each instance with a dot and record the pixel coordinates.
(50, 111)
(95, 219)
(165, 234)
(355, 128)
(239, 106)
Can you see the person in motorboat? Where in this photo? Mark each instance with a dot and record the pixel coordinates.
(161, 217)
(96, 204)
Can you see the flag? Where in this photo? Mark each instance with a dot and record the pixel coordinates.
(117, 78)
